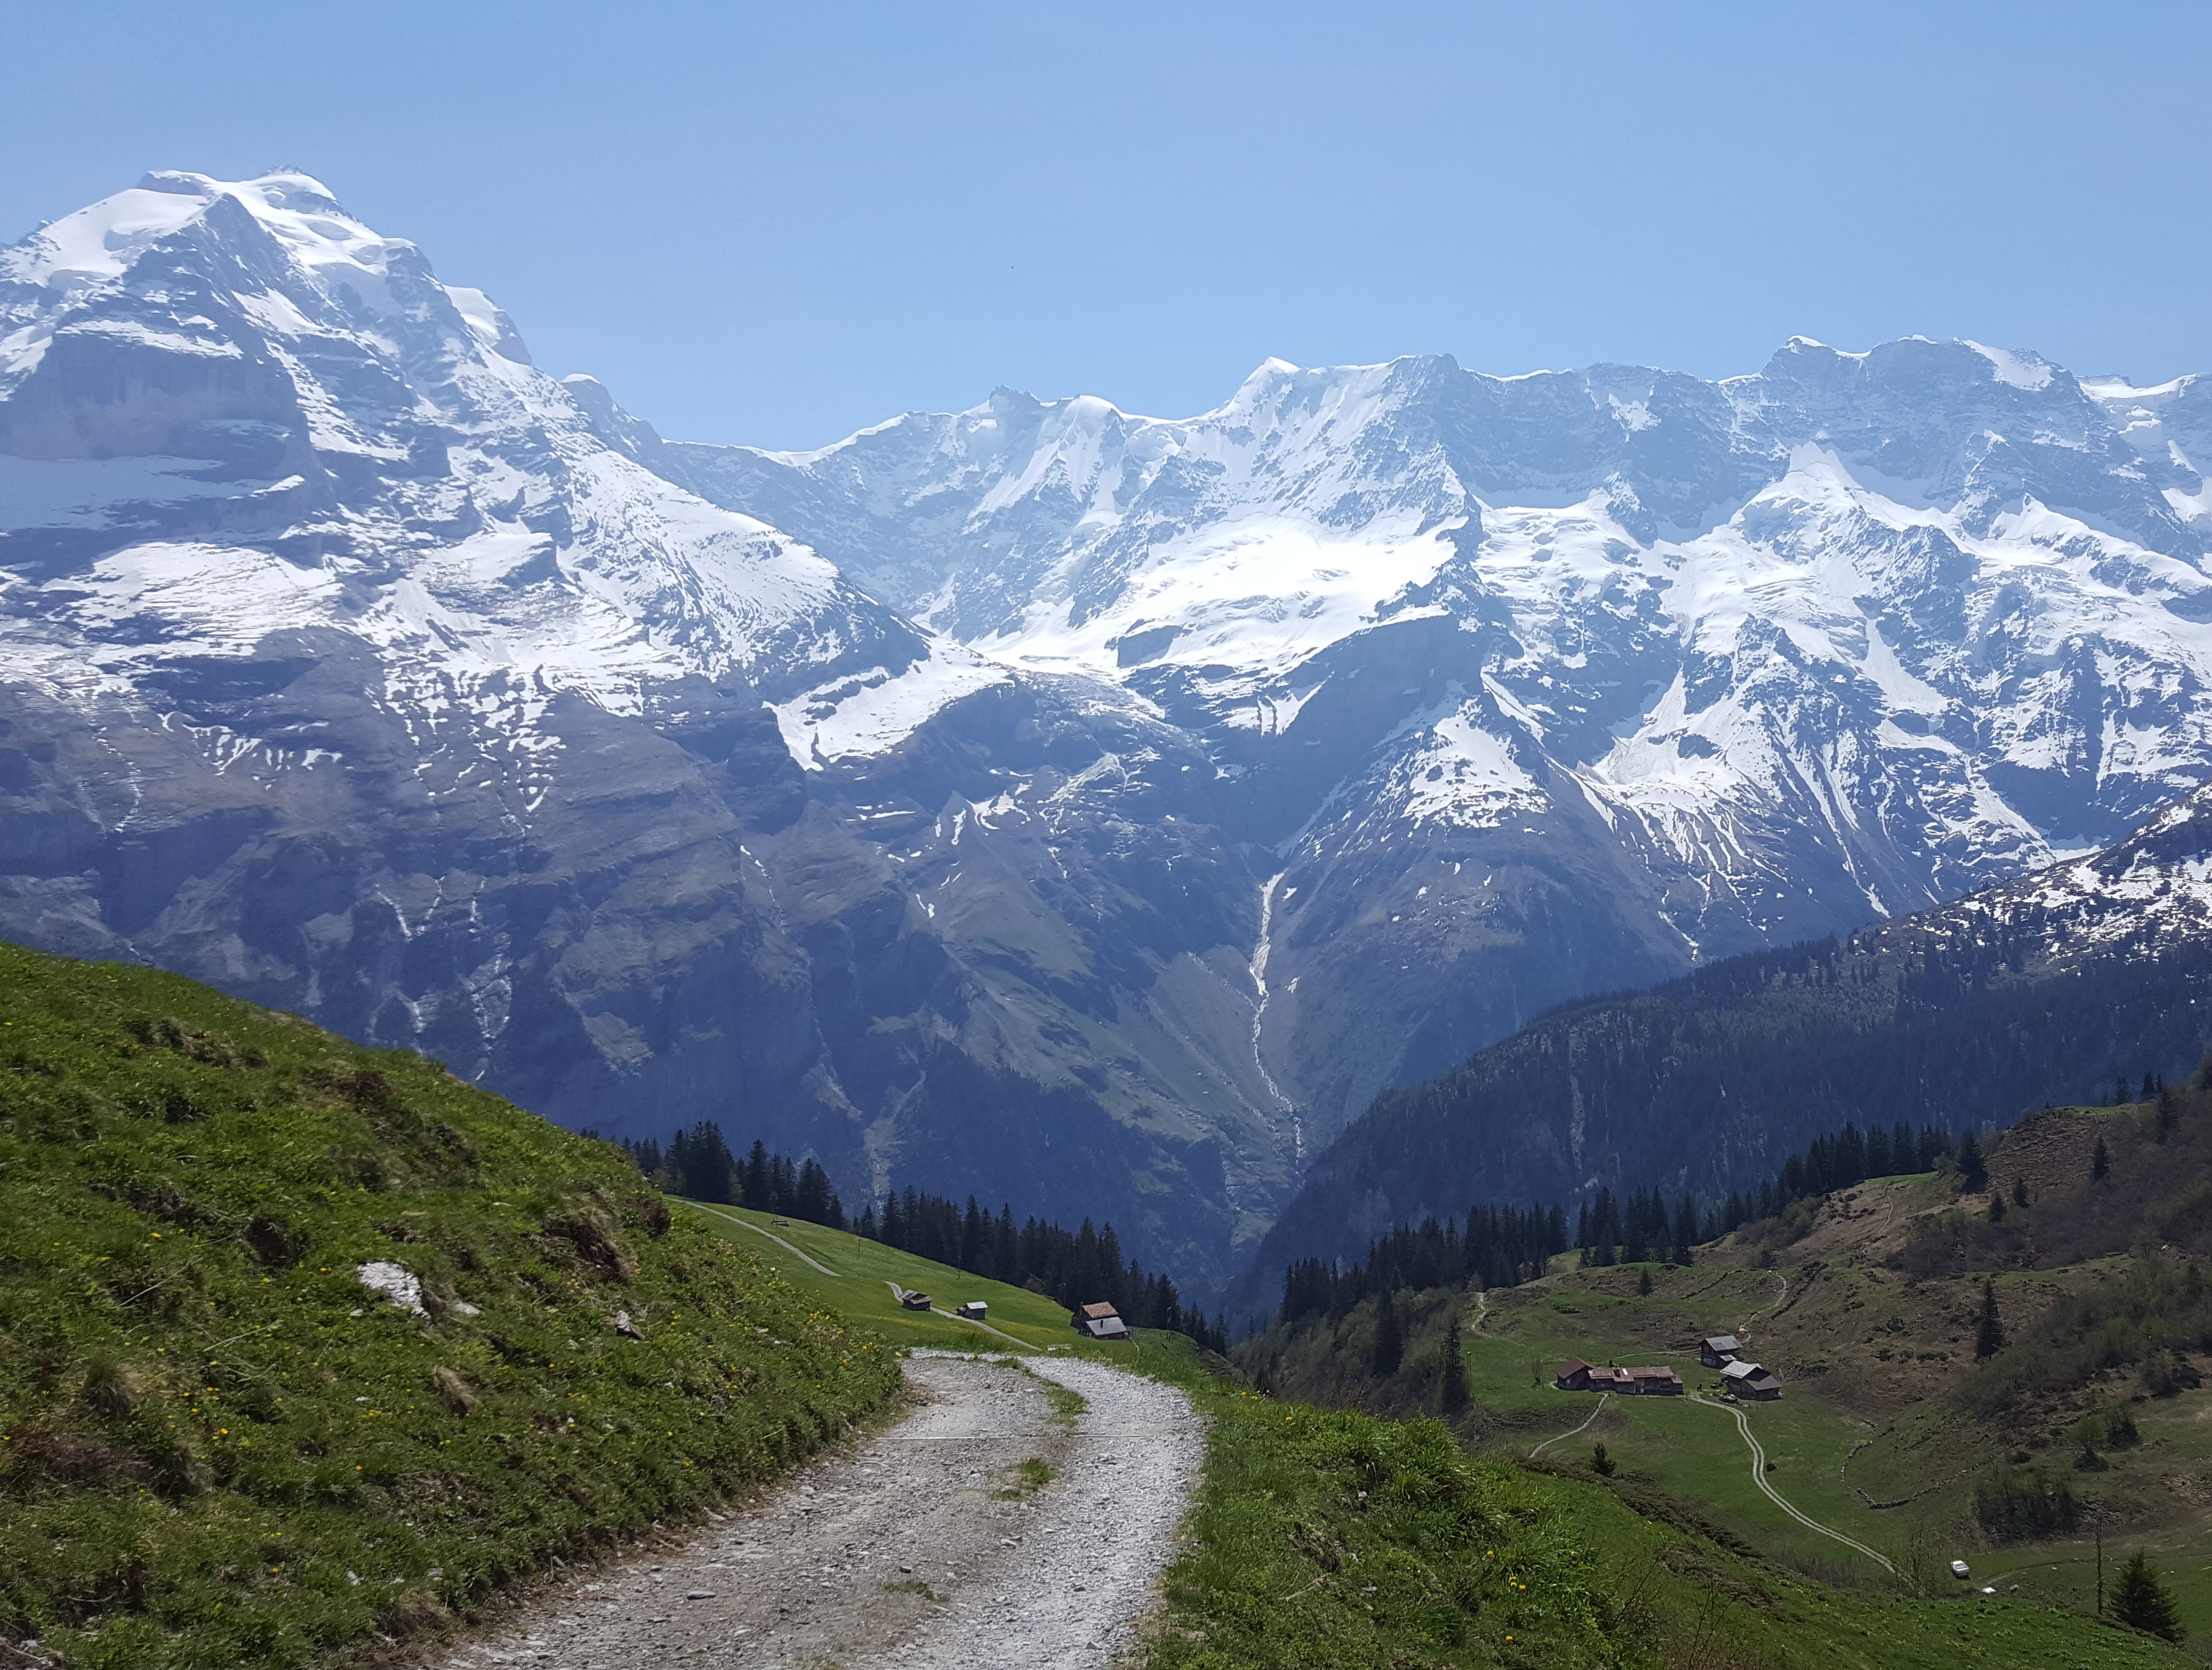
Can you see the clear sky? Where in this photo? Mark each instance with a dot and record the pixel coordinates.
(775, 224)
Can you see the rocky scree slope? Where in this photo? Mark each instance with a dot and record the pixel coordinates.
(2043, 989)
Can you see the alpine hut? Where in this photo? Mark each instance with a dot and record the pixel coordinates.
(1099, 1322)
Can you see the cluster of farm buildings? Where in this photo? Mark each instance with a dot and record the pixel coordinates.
(1740, 1377)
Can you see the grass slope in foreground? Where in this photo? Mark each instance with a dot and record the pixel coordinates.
(218, 1449)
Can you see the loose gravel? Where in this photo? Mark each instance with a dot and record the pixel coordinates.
(927, 1545)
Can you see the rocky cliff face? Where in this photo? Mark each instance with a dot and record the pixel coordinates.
(1090, 810)
(1518, 688)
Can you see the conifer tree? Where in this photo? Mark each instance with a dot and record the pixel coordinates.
(1390, 1337)
(1989, 1332)
(1643, 1284)
(1601, 1464)
(2019, 1191)
(1685, 1230)
(1453, 1396)
(753, 1183)
(1973, 1174)
(2141, 1599)
(2100, 1163)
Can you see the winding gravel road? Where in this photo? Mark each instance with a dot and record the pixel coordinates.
(925, 1546)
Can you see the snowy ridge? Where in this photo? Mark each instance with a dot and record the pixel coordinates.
(1840, 638)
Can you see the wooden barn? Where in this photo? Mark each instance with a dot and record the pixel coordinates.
(1576, 1375)
(1751, 1382)
(1098, 1321)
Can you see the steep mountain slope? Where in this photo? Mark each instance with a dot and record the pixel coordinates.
(344, 665)
(2045, 988)
(1523, 687)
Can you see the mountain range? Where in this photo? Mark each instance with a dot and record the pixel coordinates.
(1086, 810)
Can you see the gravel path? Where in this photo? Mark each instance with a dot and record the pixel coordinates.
(925, 1546)
(1759, 1477)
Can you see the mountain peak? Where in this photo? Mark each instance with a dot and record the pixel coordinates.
(101, 241)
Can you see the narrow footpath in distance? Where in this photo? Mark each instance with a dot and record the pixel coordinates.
(1759, 1477)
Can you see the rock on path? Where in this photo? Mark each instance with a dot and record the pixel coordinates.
(919, 1548)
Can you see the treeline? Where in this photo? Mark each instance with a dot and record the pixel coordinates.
(1609, 1230)
(697, 1164)
(1500, 1247)
(1504, 1246)
(1842, 1159)
(1074, 1267)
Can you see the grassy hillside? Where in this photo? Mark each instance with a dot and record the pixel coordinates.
(2094, 1414)
(1337, 1537)
(218, 1448)
(853, 1276)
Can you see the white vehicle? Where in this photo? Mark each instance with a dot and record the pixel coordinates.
(1959, 1570)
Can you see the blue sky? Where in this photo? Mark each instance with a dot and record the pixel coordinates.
(777, 224)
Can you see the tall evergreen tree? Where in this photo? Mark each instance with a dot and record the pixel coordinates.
(2100, 1163)
(1685, 1230)
(1390, 1337)
(755, 1180)
(1453, 1396)
(2141, 1599)
(1973, 1172)
(1989, 1332)
(1877, 1152)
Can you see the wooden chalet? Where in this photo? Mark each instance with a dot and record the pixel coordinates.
(1576, 1375)
(1751, 1382)
(1100, 1322)
(1719, 1351)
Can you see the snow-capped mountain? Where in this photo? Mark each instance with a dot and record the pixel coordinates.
(1090, 810)
(350, 663)
(1516, 687)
